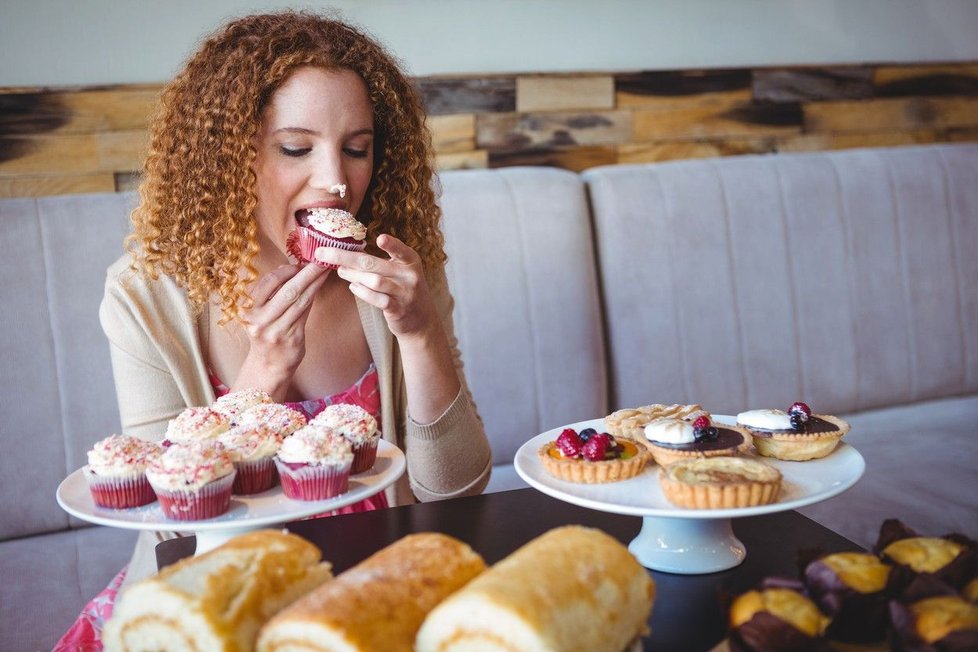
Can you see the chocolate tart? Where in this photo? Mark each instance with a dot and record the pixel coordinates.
(730, 441)
(631, 462)
(816, 438)
(720, 483)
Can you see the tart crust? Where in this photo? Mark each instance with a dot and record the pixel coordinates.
(587, 472)
(799, 446)
(720, 483)
(630, 422)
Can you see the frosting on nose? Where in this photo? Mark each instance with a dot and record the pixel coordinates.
(340, 188)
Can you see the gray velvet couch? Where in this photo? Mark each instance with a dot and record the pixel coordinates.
(843, 279)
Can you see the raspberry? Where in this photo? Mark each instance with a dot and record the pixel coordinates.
(701, 423)
(799, 407)
(569, 443)
(595, 448)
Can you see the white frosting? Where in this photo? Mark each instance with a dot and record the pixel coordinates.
(351, 421)
(122, 456)
(250, 442)
(196, 424)
(234, 403)
(315, 445)
(189, 466)
(670, 431)
(765, 419)
(336, 223)
(275, 416)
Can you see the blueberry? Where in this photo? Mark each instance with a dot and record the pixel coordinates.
(586, 434)
(798, 421)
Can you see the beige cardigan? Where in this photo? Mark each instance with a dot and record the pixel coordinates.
(159, 369)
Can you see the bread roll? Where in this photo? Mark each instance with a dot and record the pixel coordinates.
(216, 601)
(380, 603)
(571, 589)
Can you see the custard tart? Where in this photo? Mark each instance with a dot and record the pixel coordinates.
(720, 483)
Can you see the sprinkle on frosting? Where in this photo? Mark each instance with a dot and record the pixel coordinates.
(234, 403)
(670, 431)
(351, 421)
(315, 445)
(766, 419)
(251, 441)
(196, 423)
(277, 417)
(336, 223)
(189, 465)
(122, 455)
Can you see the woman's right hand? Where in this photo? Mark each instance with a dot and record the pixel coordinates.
(275, 326)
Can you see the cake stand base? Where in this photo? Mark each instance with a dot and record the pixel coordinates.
(687, 546)
(209, 539)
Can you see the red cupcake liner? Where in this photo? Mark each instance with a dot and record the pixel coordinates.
(254, 477)
(303, 242)
(313, 482)
(364, 456)
(213, 499)
(120, 492)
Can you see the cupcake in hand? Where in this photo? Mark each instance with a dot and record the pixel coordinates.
(116, 471)
(325, 227)
(193, 480)
(358, 427)
(314, 464)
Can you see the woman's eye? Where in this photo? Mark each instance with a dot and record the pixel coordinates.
(294, 151)
(356, 153)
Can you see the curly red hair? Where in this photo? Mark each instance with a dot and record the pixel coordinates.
(196, 218)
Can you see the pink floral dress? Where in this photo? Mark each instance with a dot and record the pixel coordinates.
(85, 635)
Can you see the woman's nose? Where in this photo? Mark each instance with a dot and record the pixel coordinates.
(327, 174)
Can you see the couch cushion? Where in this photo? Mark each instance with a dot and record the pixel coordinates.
(47, 579)
(920, 468)
(841, 278)
(56, 377)
(527, 314)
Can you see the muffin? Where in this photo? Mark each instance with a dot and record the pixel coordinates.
(795, 435)
(195, 424)
(358, 427)
(116, 471)
(951, 559)
(232, 404)
(932, 617)
(630, 422)
(671, 440)
(252, 447)
(314, 464)
(853, 588)
(720, 483)
(778, 617)
(591, 457)
(193, 480)
(325, 227)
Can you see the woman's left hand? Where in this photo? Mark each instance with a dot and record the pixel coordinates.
(396, 286)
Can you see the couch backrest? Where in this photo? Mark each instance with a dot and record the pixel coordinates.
(56, 390)
(846, 279)
(527, 313)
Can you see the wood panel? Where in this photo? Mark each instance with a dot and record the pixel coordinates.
(509, 132)
(544, 93)
(734, 119)
(452, 133)
(568, 158)
(891, 114)
(46, 185)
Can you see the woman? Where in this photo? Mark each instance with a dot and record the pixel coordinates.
(275, 114)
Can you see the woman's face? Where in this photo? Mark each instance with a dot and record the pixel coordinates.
(316, 138)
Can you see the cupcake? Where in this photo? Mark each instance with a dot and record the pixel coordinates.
(325, 227)
(233, 404)
(252, 447)
(314, 464)
(720, 483)
(853, 588)
(358, 427)
(116, 471)
(592, 457)
(777, 617)
(796, 435)
(195, 424)
(193, 480)
(282, 419)
(671, 440)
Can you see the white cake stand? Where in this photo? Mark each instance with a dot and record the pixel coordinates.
(267, 509)
(688, 541)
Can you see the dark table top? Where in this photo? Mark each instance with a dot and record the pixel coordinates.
(690, 611)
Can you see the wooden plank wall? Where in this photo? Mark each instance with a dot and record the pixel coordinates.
(56, 141)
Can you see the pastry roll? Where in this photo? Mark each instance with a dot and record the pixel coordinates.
(216, 601)
(571, 589)
(380, 603)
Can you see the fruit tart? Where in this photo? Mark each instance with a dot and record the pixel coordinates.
(592, 457)
(672, 440)
(795, 435)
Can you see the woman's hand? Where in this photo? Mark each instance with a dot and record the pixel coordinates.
(396, 286)
(276, 324)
